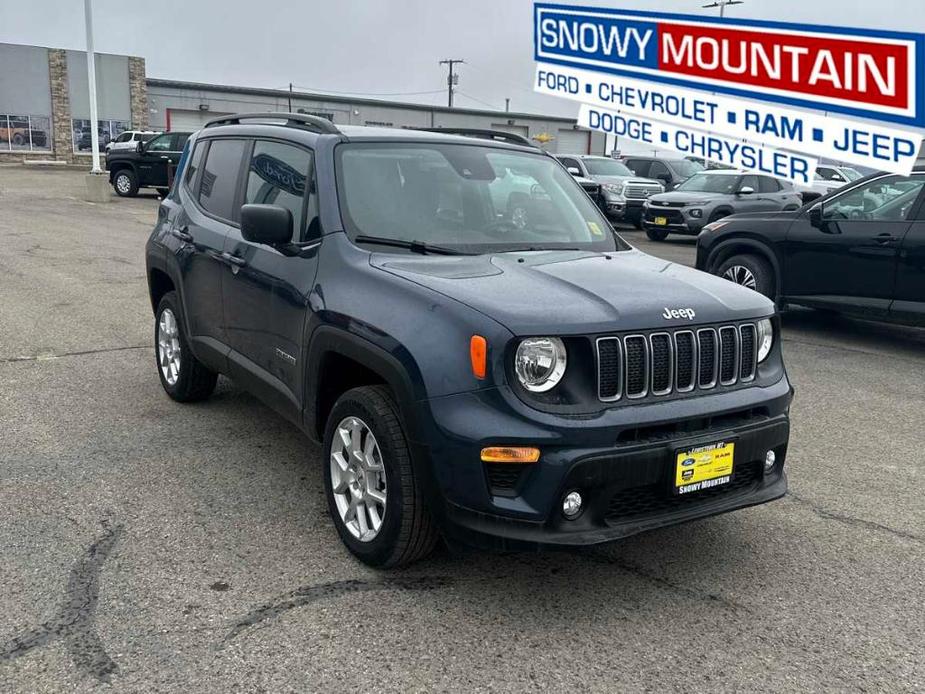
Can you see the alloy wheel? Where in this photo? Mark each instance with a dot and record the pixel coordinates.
(741, 275)
(123, 184)
(358, 478)
(168, 346)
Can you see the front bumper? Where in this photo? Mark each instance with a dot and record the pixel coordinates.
(679, 221)
(623, 472)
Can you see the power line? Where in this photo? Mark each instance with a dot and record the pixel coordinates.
(484, 103)
(452, 79)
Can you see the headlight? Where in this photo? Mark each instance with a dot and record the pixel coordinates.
(714, 226)
(612, 188)
(540, 363)
(765, 338)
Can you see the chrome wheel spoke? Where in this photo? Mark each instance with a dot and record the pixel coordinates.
(358, 480)
(168, 346)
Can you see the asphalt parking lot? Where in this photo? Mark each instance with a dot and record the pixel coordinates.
(149, 546)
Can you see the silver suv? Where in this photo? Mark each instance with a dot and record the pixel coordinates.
(709, 196)
(623, 191)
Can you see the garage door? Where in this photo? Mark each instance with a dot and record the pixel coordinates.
(188, 121)
(570, 141)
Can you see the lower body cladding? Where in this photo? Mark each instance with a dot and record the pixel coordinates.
(622, 464)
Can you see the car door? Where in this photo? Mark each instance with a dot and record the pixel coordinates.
(844, 251)
(771, 194)
(640, 167)
(265, 289)
(659, 171)
(909, 294)
(209, 196)
(748, 202)
(153, 160)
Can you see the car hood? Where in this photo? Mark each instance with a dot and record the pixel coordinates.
(578, 292)
(693, 197)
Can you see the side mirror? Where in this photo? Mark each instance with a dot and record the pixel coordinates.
(574, 171)
(746, 190)
(815, 216)
(270, 225)
(140, 147)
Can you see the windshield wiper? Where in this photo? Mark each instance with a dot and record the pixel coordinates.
(525, 249)
(413, 246)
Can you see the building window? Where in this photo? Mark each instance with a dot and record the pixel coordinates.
(25, 133)
(107, 130)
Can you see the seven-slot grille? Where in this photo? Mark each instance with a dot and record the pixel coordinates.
(679, 361)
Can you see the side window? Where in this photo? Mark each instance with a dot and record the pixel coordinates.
(570, 163)
(124, 137)
(881, 200)
(219, 181)
(279, 175)
(180, 141)
(192, 168)
(827, 173)
(748, 182)
(640, 167)
(659, 169)
(161, 143)
(766, 184)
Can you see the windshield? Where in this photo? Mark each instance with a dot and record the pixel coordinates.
(607, 167)
(469, 198)
(710, 183)
(687, 168)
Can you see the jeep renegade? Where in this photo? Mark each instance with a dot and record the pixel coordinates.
(505, 383)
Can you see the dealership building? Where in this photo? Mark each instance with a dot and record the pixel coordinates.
(45, 108)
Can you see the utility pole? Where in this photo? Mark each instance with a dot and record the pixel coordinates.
(452, 79)
(290, 97)
(91, 81)
(721, 4)
(507, 105)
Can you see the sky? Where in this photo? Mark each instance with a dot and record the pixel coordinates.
(376, 48)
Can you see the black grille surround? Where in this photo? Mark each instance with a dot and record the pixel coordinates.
(675, 362)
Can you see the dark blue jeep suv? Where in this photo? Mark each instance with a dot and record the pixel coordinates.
(481, 356)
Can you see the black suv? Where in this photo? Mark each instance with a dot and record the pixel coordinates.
(505, 383)
(151, 165)
(859, 250)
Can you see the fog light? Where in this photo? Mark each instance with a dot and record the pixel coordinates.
(571, 505)
(769, 459)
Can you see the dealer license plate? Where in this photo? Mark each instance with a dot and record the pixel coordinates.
(703, 467)
(661, 221)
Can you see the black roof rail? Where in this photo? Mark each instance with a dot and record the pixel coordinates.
(316, 123)
(499, 135)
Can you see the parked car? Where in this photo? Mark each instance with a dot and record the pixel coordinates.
(85, 141)
(129, 139)
(858, 250)
(150, 165)
(18, 134)
(711, 195)
(501, 384)
(623, 191)
(670, 172)
(826, 179)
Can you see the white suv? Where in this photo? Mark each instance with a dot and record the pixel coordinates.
(130, 139)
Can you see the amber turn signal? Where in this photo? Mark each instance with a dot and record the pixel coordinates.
(510, 454)
(478, 355)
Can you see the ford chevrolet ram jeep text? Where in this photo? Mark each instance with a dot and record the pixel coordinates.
(499, 382)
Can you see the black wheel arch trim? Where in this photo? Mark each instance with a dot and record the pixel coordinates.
(117, 166)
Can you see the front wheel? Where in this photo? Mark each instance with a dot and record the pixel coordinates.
(657, 234)
(125, 183)
(374, 496)
(749, 271)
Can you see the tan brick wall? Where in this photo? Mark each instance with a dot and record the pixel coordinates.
(138, 92)
(62, 143)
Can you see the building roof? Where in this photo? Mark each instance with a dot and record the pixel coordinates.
(283, 93)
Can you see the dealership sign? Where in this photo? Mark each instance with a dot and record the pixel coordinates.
(859, 72)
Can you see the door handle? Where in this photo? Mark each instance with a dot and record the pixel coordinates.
(233, 260)
(182, 234)
(885, 238)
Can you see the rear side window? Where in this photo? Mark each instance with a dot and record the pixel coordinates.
(192, 168)
(219, 182)
(766, 184)
(748, 182)
(279, 175)
(640, 167)
(180, 141)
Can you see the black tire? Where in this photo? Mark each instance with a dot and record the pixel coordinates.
(408, 532)
(637, 222)
(194, 381)
(19, 140)
(760, 270)
(656, 234)
(716, 216)
(125, 183)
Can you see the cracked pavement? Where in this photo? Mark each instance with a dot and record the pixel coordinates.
(149, 546)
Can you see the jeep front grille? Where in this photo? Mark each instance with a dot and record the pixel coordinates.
(679, 361)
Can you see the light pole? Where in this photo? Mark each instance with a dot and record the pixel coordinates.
(91, 81)
(721, 4)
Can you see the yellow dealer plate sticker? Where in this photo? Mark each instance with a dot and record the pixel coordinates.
(703, 467)
(661, 221)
